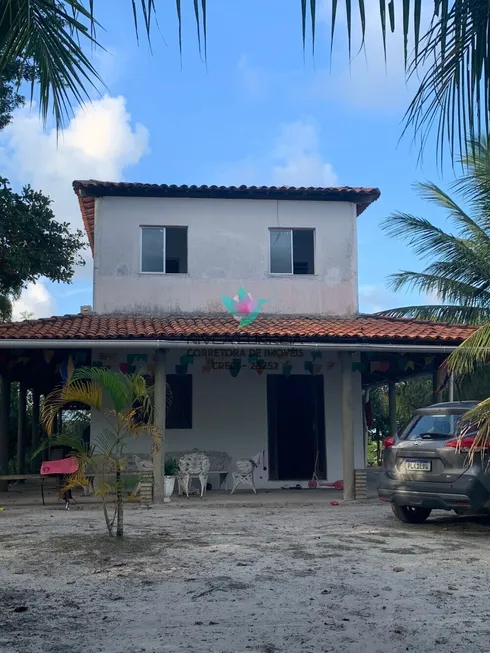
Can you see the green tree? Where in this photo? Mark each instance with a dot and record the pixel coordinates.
(450, 58)
(32, 244)
(410, 395)
(458, 263)
(125, 402)
(13, 74)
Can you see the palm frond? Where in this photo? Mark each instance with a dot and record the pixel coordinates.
(441, 313)
(477, 420)
(447, 289)
(474, 351)
(51, 36)
(468, 227)
(118, 386)
(75, 391)
(454, 92)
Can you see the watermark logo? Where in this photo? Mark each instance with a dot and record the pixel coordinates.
(243, 307)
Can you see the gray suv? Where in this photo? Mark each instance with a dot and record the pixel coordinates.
(425, 470)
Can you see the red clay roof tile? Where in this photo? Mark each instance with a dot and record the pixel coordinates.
(362, 328)
(88, 190)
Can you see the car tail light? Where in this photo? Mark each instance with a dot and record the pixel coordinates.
(465, 443)
(388, 442)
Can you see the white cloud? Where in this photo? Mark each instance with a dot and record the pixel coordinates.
(252, 79)
(36, 301)
(374, 298)
(301, 163)
(99, 142)
(293, 159)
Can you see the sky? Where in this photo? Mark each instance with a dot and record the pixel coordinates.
(256, 111)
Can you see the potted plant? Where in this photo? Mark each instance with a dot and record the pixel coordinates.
(171, 471)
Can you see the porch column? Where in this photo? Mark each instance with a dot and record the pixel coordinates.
(392, 407)
(451, 388)
(437, 380)
(4, 428)
(160, 412)
(21, 429)
(347, 427)
(35, 439)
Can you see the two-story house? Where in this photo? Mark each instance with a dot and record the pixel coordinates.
(281, 383)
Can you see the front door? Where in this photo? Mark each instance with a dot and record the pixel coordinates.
(296, 425)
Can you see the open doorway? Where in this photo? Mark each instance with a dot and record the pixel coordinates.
(296, 427)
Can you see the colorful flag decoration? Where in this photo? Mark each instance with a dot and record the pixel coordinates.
(235, 367)
(48, 355)
(181, 370)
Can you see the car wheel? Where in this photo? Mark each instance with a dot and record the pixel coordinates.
(410, 514)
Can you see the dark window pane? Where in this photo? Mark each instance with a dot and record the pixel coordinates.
(152, 249)
(179, 415)
(280, 240)
(176, 249)
(303, 251)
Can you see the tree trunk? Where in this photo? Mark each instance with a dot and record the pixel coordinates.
(119, 504)
(4, 429)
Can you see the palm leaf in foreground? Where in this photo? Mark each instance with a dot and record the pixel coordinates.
(457, 268)
(128, 415)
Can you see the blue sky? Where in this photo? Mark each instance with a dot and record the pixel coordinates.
(255, 113)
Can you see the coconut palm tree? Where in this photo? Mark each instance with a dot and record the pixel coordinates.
(458, 263)
(450, 57)
(125, 404)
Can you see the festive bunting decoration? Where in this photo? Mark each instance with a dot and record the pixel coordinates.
(374, 366)
(359, 367)
(186, 360)
(260, 366)
(316, 354)
(444, 383)
(428, 360)
(384, 366)
(124, 368)
(206, 369)
(312, 368)
(132, 359)
(252, 358)
(181, 370)
(287, 368)
(67, 367)
(48, 355)
(235, 367)
(410, 366)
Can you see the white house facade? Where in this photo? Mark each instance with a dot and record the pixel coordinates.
(243, 302)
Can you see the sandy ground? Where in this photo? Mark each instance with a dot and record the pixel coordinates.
(241, 578)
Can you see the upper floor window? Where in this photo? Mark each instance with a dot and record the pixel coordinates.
(292, 251)
(164, 249)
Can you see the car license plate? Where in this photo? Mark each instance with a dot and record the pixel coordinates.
(418, 465)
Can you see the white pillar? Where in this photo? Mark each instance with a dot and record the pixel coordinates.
(160, 413)
(347, 427)
(392, 407)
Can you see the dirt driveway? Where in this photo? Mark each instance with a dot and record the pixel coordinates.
(242, 578)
